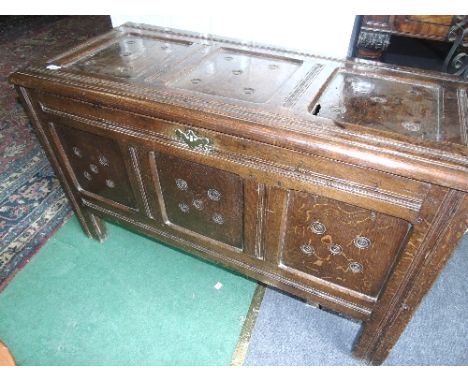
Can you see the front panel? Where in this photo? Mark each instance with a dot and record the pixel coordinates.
(202, 199)
(97, 165)
(342, 244)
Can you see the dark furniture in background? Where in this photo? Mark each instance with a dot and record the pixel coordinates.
(341, 182)
(443, 38)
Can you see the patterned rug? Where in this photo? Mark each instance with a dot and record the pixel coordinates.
(32, 203)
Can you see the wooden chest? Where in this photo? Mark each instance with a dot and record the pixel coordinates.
(341, 182)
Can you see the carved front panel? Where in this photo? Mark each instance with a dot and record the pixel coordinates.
(340, 243)
(97, 165)
(202, 199)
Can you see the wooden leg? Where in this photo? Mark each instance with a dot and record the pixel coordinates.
(429, 247)
(90, 223)
(95, 227)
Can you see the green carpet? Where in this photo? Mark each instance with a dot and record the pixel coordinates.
(128, 301)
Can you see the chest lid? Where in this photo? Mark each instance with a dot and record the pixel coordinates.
(404, 121)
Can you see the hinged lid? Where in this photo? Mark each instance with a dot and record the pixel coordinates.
(408, 122)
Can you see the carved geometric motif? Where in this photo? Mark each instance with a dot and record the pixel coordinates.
(97, 165)
(246, 76)
(202, 199)
(134, 57)
(404, 108)
(341, 243)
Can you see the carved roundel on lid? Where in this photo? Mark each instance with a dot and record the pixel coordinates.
(77, 152)
(356, 267)
(335, 249)
(318, 228)
(307, 249)
(94, 168)
(103, 161)
(362, 242)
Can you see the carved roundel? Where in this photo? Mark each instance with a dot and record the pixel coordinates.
(181, 184)
(103, 161)
(184, 208)
(198, 204)
(77, 152)
(94, 168)
(356, 267)
(362, 242)
(214, 195)
(318, 228)
(87, 175)
(307, 249)
(217, 218)
(335, 249)
(110, 183)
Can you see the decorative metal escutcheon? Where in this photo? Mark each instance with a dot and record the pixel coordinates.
(192, 140)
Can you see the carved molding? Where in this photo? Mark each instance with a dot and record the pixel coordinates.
(302, 86)
(463, 113)
(139, 178)
(373, 40)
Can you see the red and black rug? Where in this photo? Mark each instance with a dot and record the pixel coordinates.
(32, 203)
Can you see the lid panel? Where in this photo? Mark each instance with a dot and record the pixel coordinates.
(383, 103)
(239, 74)
(133, 58)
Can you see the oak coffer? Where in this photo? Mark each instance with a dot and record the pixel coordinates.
(341, 182)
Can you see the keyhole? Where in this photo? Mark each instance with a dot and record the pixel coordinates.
(316, 109)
